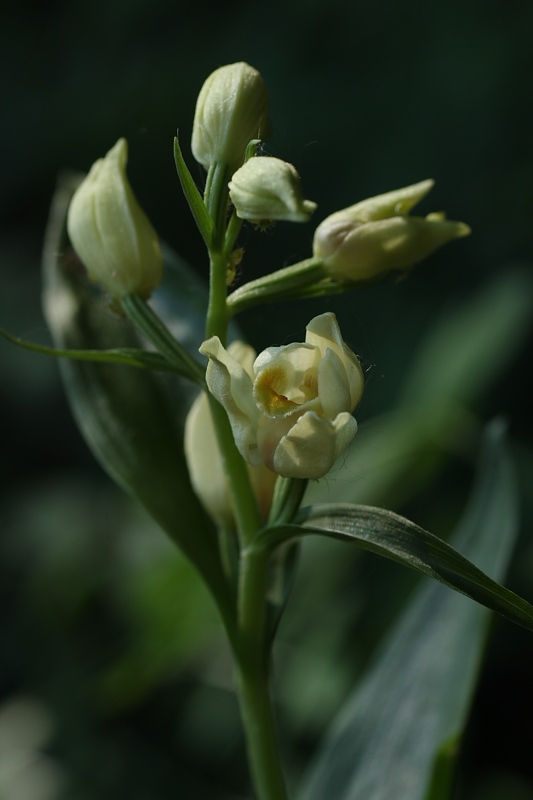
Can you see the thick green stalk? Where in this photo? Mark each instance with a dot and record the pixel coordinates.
(242, 495)
(253, 678)
(250, 647)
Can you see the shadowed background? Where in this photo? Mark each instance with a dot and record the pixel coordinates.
(122, 675)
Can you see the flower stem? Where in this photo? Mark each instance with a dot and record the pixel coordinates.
(250, 644)
(263, 756)
(155, 330)
(288, 282)
(253, 678)
(243, 498)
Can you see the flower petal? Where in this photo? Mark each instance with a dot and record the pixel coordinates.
(230, 384)
(312, 445)
(324, 332)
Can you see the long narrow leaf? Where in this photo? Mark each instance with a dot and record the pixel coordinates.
(390, 535)
(398, 736)
(130, 356)
(193, 196)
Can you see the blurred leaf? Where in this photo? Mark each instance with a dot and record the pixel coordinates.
(467, 349)
(459, 359)
(129, 418)
(398, 735)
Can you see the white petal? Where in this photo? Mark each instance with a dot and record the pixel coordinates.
(333, 386)
(324, 332)
(229, 383)
(312, 445)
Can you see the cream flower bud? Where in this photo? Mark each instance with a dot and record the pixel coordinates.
(206, 468)
(294, 414)
(269, 189)
(111, 233)
(378, 235)
(231, 110)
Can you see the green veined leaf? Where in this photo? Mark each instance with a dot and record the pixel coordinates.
(390, 535)
(398, 736)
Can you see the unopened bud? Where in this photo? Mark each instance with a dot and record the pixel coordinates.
(231, 110)
(377, 235)
(111, 233)
(269, 189)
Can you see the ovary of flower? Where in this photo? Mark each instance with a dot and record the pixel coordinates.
(295, 413)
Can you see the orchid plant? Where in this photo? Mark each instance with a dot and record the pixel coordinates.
(227, 480)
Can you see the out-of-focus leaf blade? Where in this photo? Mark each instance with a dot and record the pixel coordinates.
(470, 345)
(398, 735)
(128, 417)
(458, 360)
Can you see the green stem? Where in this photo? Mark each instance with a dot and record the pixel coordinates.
(217, 315)
(253, 679)
(251, 645)
(288, 496)
(154, 329)
(284, 283)
(216, 201)
(242, 495)
(232, 232)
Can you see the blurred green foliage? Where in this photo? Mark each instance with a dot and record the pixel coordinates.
(107, 639)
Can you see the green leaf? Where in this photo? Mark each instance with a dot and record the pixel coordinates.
(131, 419)
(471, 345)
(131, 356)
(390, 535)
(193, 196)
(398, 735)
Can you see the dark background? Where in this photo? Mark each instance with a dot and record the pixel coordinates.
(365, 97)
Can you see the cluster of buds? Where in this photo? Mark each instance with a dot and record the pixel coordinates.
(290, 408)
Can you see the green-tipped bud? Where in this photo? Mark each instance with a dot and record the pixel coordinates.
(377, 235)
(111, 233)
(269, 189)
(231, 110)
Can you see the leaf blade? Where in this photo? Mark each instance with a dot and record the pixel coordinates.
(193, 196)
(130, 419)
(404, 722)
